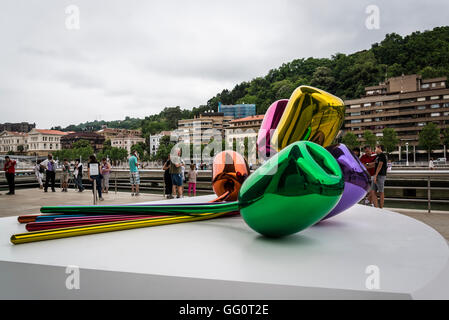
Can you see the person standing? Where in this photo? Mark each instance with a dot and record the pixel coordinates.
(134, 173)
(193, 173)
(50, 173)
(431, 164)
(167, 179)
(176, 174)
(94, 174)
(356, 151)
(106, 173)
(379, 177)
(39, 170)
(368, 159)
(10, 173)
(78, 175)
(65, 175)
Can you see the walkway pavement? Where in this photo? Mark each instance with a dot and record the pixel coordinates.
(29, 201)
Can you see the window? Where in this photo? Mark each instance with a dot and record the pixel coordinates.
(435, 114)
(434, 97)
(421, 99)
(379, 134)
(434, 106)
(446, 96)
(421, 107)
(421, 124)
(355, 114)
(443, 84)
(367, 120)
(434, 85)
(356, 121)
(367, 105)
(425, 86)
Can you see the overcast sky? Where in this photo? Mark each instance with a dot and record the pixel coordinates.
(133, 58)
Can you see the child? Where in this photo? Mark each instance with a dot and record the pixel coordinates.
(192, 178)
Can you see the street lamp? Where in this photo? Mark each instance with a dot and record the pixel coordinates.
(406, 146)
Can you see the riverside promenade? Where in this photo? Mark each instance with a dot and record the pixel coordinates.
(29, 201)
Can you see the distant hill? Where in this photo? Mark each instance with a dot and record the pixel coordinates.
(425, 53)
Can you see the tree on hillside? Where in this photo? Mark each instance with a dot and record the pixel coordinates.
(429, 137)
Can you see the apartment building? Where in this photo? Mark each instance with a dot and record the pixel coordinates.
(155, 141)
(110, 133)
(199, 130)
(244, 128)
(405, 103)
(11, 141)
(41, 142)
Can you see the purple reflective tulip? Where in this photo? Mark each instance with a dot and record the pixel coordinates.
(269, 123)
(357, 178)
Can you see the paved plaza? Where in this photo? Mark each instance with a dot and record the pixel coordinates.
(29, 201)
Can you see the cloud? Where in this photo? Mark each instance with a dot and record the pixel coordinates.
(133, 58)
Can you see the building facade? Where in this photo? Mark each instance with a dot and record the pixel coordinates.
(41, 142)
(125, 142)
(11, 141)
(154, 141)
(244, 128)
(199, 130)
(17, 127)
(110, 133)
(96, 140)
(405, 104)
(237, 111)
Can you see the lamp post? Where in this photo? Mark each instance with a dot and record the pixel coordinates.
(406, 151)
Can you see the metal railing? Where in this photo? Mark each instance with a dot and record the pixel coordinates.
(427, 174)
(152, 179)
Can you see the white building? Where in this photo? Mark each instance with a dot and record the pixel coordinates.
(155, 141)
(13, 142)
(42, 142)
(125, 142)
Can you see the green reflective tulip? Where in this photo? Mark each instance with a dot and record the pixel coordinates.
(292, 191)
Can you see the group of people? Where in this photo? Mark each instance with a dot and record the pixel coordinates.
(377, 165)
(48, 168)
(175, 175)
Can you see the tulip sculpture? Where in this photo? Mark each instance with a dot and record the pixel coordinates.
(299, 186)
(294, 189)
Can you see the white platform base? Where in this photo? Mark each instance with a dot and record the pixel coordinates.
(225, 259)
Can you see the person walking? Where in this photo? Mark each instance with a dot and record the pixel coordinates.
(50, 173)
(65, 175)
(379, 177)
(78, 175)
(10, 173)
(94, 174)
(167, 179)
(39, 170)
(134, 173)
(193, 173)
(176, 174)
(106, 173)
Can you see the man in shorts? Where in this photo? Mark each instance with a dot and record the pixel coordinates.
(379, 177)
(134, 173)
(177, 178)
